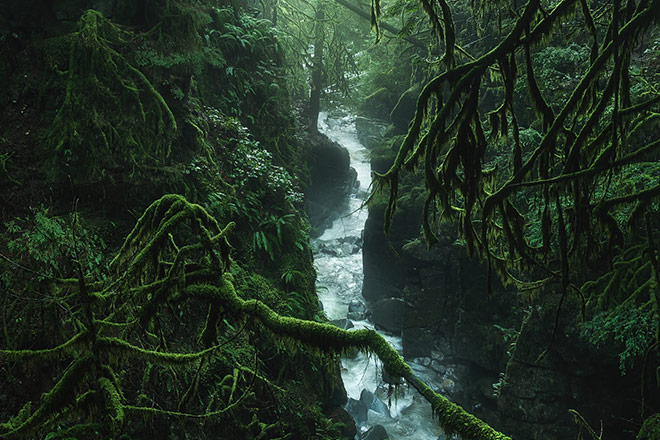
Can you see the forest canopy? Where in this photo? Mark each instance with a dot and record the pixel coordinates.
(155, 254)
(541, 195)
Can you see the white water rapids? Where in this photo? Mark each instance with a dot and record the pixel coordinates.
(338, 261)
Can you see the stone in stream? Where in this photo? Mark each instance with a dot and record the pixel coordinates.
(357, 311)
(374, 403)
(357, 409)
(342, 323)
(388, 314)
(376, 432)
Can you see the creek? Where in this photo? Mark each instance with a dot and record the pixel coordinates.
(338, 259)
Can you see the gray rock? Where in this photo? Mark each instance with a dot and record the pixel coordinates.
(388, 314)
(357, 409)
(342, 323)
(370, 132)
(374, 403)
(332, 179)
(438, 367)
(376, 432)
(357, 311)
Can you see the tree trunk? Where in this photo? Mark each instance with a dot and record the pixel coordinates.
(316, 83)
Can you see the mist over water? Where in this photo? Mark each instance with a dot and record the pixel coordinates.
(338, 261)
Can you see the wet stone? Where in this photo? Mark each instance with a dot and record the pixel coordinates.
(438, 367)
(343, 323)
(448, 386)
(376, 432)
(357, 409)
(357, 311)
(388, 314)
(374, 403)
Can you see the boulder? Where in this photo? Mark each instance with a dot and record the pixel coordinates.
(388, 314)
(342, 323)
(370, 132)
(374, 403)
(376, 432)
(357, 311)
(357, 409)
(332, 180)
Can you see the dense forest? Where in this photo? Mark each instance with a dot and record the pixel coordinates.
(164, 183)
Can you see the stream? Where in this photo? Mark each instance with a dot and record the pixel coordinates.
(338, 261)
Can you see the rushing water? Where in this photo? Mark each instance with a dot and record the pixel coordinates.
(338, 261)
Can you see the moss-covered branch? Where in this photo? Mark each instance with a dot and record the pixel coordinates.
(451, 417)
(78, 339)
(122, 347)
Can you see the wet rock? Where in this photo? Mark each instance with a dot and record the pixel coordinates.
(357, 311)
(385, 271)
(357, 409)
(374, 403)
(376, 432)
(388, 314)
(438, 367)
(350, 245)
(369, 131)
(343, 323)
(448, 386)
(330, 249)
(421, 316)
(332, 179)
(487, 387)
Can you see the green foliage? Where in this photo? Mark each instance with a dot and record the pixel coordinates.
(561, 185)
(90, 138)
(175, 260)
(270, 232)
(47, 244)
(632, 327)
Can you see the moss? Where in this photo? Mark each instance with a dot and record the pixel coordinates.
(24, 355)
(178, 257)
(122, 347)
(452, 418)
(89, 136)
(56, 400)
(112, 400)
(650, 428)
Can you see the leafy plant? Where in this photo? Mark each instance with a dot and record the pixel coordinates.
(632, 327)
(48, 244)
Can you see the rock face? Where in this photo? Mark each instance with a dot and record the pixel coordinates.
(357, 409)
(370, 131)
(373, 403)
(404, 110)
(490, 343)
(376, 432)
(496, 338)
(332, 179)
(387, 313)
(536, 395)
(384, 271)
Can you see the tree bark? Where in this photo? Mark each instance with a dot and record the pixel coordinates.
(316, 83)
